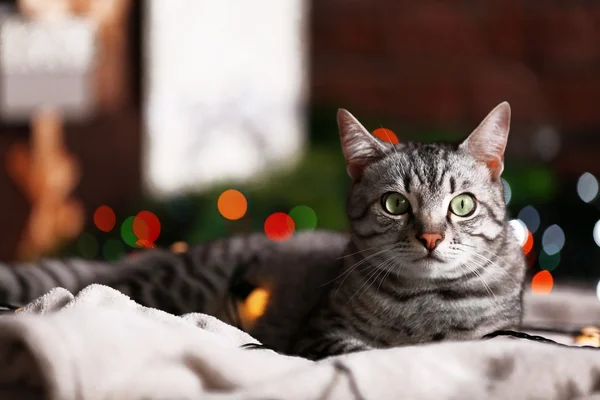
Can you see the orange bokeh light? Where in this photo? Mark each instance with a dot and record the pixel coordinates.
(105, 218)
(542, 283)
(528, 245)
(146, 226)
(386, 135)
(256, 303)
(146, 244)
(279, 226)
(232, 204)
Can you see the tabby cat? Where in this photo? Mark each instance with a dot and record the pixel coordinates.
(430, 256)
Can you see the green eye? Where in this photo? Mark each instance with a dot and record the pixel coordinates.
(463, 205)
(395, 203)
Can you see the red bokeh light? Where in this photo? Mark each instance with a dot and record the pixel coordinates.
(104, 218)
(279, 226)
(146, 226)
(386, 135)
(528, 245)
(542, 283)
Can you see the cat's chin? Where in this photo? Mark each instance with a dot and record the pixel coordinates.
(431, 267)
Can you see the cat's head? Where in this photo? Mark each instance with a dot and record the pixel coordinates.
(426, 207)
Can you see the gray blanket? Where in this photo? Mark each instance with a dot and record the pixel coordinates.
(101, 345)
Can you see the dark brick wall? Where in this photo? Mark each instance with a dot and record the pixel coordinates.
(451, 61)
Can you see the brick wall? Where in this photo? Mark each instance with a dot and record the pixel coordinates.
(450, 62)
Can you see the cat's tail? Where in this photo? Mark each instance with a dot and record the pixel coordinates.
(193, 281)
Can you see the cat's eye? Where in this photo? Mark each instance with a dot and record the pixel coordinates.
(395, 203)
(463, 205)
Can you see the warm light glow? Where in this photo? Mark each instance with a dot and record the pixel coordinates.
(232, 204)
(279, 226)
(105, 218)
(146, 226)
(528, 246)
(179, 247)
(542, 283)
(386, 135)
(146, 244)
(256, 303)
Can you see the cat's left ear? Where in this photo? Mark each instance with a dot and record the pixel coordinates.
(488, 141)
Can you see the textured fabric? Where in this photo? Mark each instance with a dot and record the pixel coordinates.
(100, 344)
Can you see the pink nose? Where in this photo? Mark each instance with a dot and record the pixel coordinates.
(431, 240)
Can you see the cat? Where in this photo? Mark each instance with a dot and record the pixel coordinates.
(430, 256)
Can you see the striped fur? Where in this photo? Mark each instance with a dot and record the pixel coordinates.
(333, 293)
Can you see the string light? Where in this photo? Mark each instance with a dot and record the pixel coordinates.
(232, 204)
(146, 226)
(279, 226)
(104, 218)
(304, 218)
(542, 283)
(256, 303)
(386, 135)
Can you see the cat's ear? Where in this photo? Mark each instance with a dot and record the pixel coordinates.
(360, 147)
(488, 141)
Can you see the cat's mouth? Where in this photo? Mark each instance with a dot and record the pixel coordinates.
(431, 256)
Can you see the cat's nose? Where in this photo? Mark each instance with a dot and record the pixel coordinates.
(430, 240)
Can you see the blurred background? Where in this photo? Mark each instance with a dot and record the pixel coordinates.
(131, 124)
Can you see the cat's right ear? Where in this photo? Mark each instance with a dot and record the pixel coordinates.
(359, 145)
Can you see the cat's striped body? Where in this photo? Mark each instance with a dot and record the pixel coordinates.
(430, 256)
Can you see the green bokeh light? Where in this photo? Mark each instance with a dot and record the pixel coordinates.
(304, 218)
(87, 245)
(127, 232)
(549, 262)
(113, 249)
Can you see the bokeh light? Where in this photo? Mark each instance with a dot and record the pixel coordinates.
(279, 226)
(542, 283)
(522, 234)
(87, 245)
(531, 217)
(519, 229)
(546, 143)
(305, 218)
(528, 245)
(105, 218)
(553, 239)
(146, 226)
(386, 135)
(113, 250)
(598, 290)
(587, 187)
(127, 232)
(507, 191)
(232, 204)
(256, 303)
(179, 247)
(596, 233)
(549, 262)
(145, 244)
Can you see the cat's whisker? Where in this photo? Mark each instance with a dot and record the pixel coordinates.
(379, 270)
(356, 265)
(490, 262)
(482, 280)
(367, 249)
